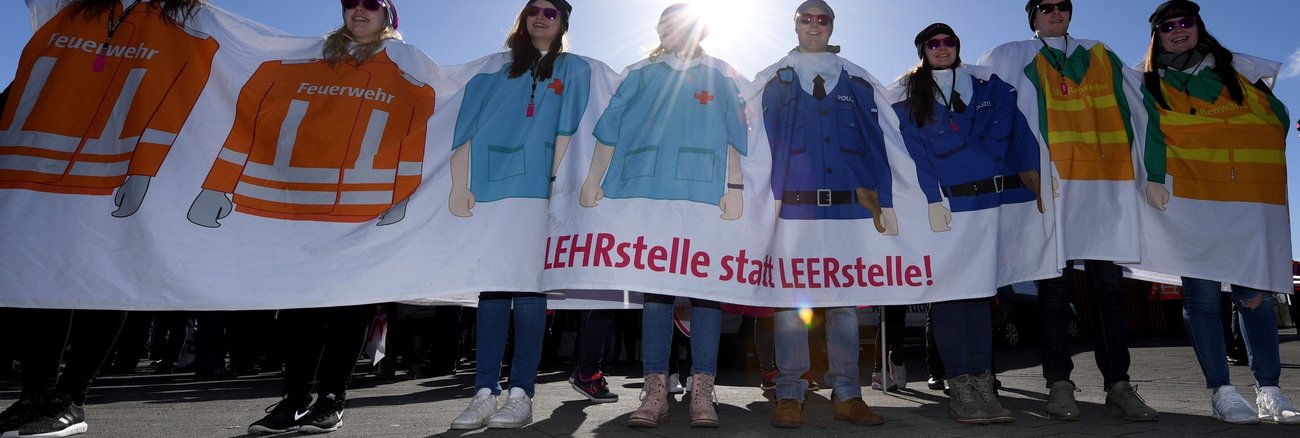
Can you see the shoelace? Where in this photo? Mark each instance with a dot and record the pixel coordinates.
(713, 395)
(1133, 392)
(969, 395)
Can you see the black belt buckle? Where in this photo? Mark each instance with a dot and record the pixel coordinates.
(823, 197)
(998, 184)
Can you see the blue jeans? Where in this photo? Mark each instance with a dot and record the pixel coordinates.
(657, 335)
(493, 325)
(1203, 318)
(792, 354)
(963, 331)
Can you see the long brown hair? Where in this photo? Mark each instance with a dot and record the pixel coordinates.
(178, 12)
(1206, 43)
(921, 88)
(522, 53)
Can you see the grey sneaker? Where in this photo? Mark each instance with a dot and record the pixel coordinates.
(964, 402)
(1123, 401)
(1060, 401)
(517, 411)
(478, 412)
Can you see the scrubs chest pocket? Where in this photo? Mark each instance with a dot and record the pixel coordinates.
(640, 162)
(696, 164)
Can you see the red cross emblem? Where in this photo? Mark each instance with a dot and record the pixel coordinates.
(558, 86)
(704, 97)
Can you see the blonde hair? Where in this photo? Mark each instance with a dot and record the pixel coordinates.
(340, 45)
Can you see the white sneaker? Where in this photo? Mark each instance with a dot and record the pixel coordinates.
(895, 382)
(515, 413)
(477, 413)
(675, 384)
(1231, 407)
(1274, 407)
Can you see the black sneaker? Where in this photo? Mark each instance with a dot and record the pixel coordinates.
(283, 416)
(593, 387)
(60, 417)
(23, 411)
(325, 416)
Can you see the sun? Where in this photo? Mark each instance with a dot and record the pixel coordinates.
(747, 34)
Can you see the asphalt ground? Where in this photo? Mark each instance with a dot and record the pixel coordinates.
(1164, 370)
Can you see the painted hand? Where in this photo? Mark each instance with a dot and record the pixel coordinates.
(130, 195)
(460, 202)
(732, 204)
(940, 218)
(393, 215)
(209, 206)
(1157, 195)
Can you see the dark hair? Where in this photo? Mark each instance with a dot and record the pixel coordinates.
(920, 82)
(1205, 43)
(522, 53)
(178, 12)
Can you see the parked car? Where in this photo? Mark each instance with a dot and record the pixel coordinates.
(1017, 318)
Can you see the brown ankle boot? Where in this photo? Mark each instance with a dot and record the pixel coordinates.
(703, 413)
(856, 411)
(654, 403)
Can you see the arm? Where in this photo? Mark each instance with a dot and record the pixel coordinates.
(733, 200)
(591, 191)
(461, 200)
(940, 216)
(577, 89)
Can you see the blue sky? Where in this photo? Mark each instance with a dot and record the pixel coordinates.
(876, 34)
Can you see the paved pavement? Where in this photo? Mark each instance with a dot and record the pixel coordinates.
(1164, 370)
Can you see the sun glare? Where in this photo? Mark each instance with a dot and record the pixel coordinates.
(745, 33)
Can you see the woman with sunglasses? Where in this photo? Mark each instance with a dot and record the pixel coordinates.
(677, 97)
(69, 91)
(322, 344)
(1205, 102)
(513, 130)
(961, 127)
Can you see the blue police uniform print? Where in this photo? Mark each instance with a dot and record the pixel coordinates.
(511, 154)
(670, 130)
(976, 166)
(824, 150)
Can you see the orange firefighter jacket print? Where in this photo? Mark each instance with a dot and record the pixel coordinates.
(314, 141)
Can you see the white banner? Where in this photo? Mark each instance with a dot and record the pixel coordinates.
(288, 182)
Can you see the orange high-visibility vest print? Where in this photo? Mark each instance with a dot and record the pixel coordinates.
(1225, 152)
(82, 117)
(1086, 131)
(311, 141)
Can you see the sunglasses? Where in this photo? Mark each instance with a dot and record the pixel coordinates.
(550, 13)
(934, 43)
(1169, 26)
(370, 5)
(821, 19)
(1051, 7)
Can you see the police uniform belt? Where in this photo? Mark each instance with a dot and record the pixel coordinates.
(821, 198)
(995, 184)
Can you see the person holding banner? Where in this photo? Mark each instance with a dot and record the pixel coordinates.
(1217, 136)
(678, 96)
(1077, 92)
(960, 123)
(322, 344)
(829, 166)
(76, 54)
(514, 127)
